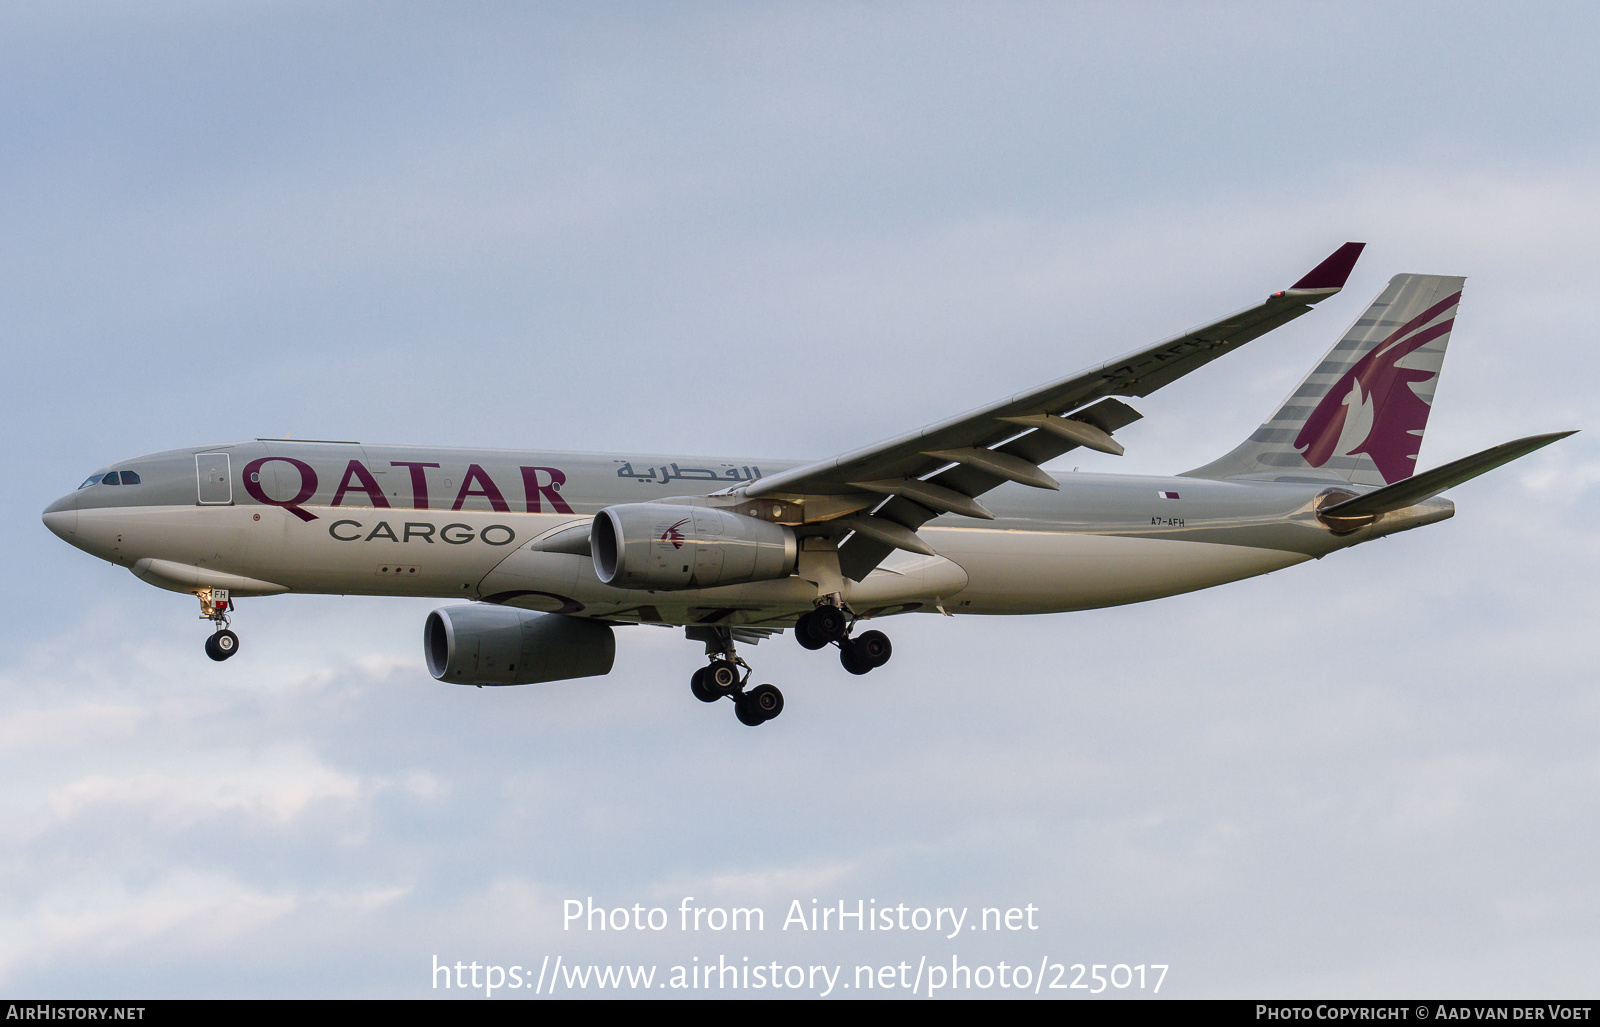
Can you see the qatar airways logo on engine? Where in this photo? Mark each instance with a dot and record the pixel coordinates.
(673, 535)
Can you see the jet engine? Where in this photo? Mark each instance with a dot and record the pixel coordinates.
(663, 546)
(498, 645)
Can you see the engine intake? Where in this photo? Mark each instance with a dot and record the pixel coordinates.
(498, 645)
(663, 546)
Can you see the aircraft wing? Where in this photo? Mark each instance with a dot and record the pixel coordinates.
(943, 467)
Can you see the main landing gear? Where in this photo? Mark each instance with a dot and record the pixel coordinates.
(214, 607)
(728, 677)
(829, 624)
(722, 679)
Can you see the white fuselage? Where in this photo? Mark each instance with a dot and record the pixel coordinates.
(269, 517)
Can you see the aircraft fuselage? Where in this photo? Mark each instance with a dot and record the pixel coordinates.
(267, 517)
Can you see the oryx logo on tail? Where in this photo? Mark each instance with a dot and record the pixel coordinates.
(1372, 408)
(1360, 413)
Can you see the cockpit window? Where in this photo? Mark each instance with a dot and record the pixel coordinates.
(112, 478)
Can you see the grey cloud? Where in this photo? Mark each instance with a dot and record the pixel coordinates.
(1371, 775)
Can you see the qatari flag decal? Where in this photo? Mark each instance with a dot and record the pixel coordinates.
(1167, 495)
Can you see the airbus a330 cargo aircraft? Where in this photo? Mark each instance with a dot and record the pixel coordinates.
(556, 550)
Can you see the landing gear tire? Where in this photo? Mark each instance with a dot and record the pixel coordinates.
(222, 645)
(850, 656)
(766, 699)
(721, 678)
(702, 691)
(873, 648)
(821, 626)
(748, 713)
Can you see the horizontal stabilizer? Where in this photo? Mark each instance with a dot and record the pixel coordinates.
(1418, 487)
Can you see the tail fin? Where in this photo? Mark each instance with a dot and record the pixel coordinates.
(1361, 413)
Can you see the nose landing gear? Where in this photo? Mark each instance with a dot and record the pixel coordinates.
(722, 679)
(214, 607)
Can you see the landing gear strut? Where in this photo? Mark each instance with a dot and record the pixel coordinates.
(830, 624)
(214, 607)
(722, 679)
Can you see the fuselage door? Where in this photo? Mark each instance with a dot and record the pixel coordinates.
(216, 485)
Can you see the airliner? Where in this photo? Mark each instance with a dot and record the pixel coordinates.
(554, 551)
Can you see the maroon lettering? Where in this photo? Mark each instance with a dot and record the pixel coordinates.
(308, 485)
(490, 490)
(419, 482)
(550, 490)
(367, 484)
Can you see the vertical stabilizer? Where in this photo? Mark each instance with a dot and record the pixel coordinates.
(1361, 413)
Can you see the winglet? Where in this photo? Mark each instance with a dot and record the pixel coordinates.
(1331, 273)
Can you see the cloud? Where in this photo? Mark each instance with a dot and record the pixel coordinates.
(793, 234)
(275, 786)
(85, 922)
(69, 726)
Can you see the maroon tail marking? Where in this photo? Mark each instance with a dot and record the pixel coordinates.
(1333, 272)
(1396, 410)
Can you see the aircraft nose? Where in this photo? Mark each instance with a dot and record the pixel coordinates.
(61, 517)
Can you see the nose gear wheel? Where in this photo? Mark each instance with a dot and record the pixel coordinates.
(214, 606)
(222, 645)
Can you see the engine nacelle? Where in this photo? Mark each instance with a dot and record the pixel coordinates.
(498, 645)
(663, 546)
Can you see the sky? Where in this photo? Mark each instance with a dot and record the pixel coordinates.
(787, 231)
